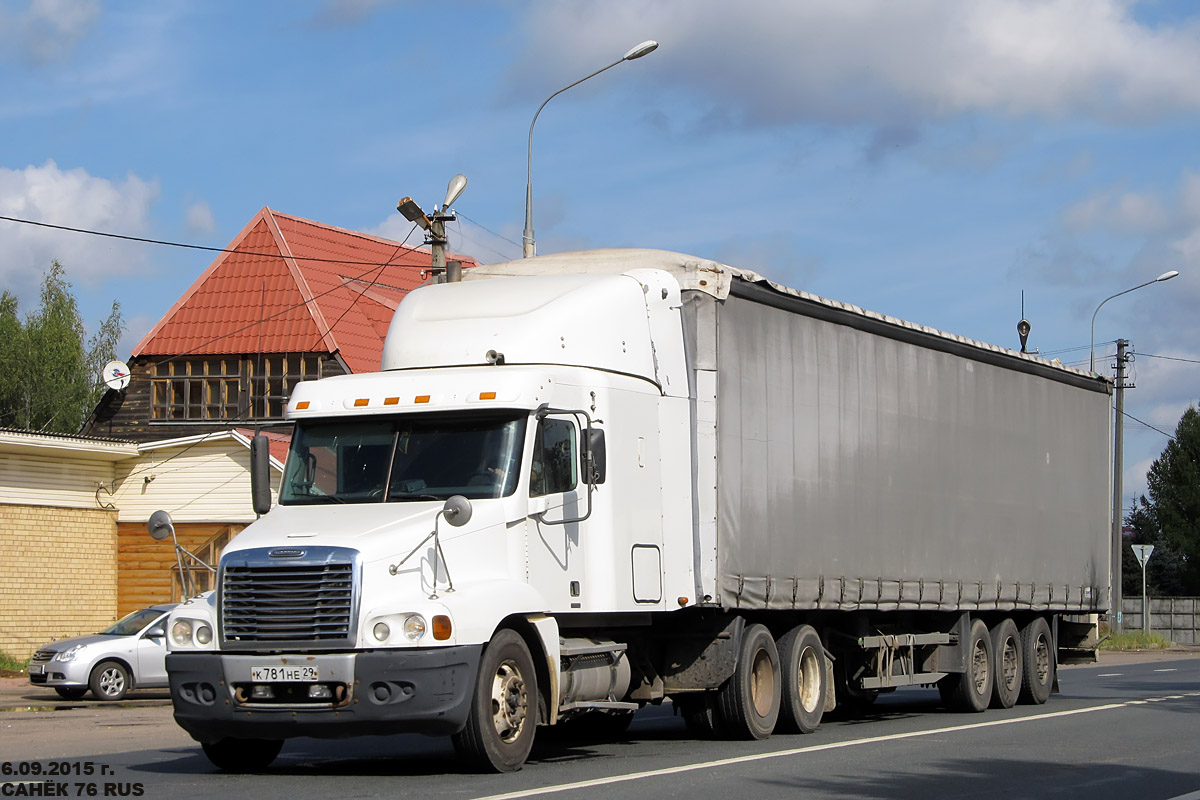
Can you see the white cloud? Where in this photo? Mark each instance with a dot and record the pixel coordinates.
(879, 62)
(76, 199)
(200, 218)
(1127, 212)
(47, 31)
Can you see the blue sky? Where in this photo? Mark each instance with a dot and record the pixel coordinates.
(929, 159)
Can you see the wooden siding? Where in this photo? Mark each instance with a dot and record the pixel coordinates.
(145, 567)
(199, 482)
(53, 480)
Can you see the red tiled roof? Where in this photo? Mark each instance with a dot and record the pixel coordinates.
(277, 443)
(294, 286)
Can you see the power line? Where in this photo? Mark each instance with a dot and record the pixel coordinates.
(1170, 358)
(1148, 425)
(167, 243)
(489, 230)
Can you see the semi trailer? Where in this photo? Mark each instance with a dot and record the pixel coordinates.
(587, 482)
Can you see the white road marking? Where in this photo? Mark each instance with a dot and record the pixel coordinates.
(1172, 669)
(725, 762)
(1110, 675)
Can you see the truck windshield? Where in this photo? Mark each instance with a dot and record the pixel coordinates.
(397, 459)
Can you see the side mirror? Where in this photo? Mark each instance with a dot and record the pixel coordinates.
(260, 474)
(457, 511)
(157, 632)
(596, 455)
(160, 526)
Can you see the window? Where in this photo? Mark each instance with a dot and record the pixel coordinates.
(244, 387)
(555, 464)
(417, 457)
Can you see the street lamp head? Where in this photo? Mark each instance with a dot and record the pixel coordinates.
(644, 49)
(1166, 276)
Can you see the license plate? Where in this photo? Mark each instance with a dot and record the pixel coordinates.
(36, 669)
(283, 674)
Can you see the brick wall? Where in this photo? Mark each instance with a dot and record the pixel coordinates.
(58, 574)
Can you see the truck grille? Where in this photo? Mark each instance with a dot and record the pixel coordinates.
(307, 600)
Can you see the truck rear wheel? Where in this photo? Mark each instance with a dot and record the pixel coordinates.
(748, 703)
(1006, 649)
(971, 691)
(503, 717)
(802, 658)
(1037, 662)
(242, 755)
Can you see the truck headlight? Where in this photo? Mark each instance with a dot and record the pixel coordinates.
(414, 627)
(381, 631)
(203, 634)
(181, 633)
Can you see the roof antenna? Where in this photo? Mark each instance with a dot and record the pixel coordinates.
(1023, 328)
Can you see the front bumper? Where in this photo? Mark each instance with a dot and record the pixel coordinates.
(69, 674)
(376, 692)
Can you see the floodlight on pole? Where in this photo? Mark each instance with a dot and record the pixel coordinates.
(1166, 276)
(645, 48)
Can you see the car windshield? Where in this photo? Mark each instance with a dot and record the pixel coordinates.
(406, 458)
(131, 624)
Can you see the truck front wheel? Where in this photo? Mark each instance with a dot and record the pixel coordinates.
(503, 717)
(749, 701)
(242, 755)
(802, 657)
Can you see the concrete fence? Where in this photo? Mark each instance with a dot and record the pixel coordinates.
(1176, 618)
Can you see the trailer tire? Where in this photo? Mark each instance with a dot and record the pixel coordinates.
(504, 708)
(242, 755)
(748, 703)
(1037, 662)
(802, 702)
(971, 691)
(1008, 668)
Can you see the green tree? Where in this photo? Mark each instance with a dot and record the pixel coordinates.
(1170, 518)
(49, 372)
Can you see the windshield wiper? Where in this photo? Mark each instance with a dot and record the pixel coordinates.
(413, 496)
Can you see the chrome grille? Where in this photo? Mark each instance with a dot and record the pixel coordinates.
(41, 657)
(308, 601)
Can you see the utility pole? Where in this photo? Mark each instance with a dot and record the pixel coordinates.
(1117, 517)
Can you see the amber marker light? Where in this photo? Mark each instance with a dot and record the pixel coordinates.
(391, 401)
(487, 395)
(302, 405)
(362, 401)
(683, 601)
(421, 398)
(441, 627)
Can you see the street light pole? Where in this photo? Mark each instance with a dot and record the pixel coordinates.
(1166, 276)
(645, 48)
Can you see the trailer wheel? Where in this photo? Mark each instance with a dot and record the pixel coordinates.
(242, 755)
(748, 703)
(1037, 662)
(971, 691)
(503, 717)
(1006, 650)
(802, 657)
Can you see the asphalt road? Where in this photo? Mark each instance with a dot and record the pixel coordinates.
(1119, 729)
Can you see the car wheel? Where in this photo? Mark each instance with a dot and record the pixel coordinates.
(71, 692)
(110, 681)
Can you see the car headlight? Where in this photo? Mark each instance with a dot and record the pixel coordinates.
(69, 654)
(181, 633)
(414, 627)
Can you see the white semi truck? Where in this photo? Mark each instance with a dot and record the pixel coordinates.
(587, 482)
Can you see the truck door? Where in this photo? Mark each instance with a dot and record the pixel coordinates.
(557, 500)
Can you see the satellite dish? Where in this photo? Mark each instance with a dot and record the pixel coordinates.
(115, 375)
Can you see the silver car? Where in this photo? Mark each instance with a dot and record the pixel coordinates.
(131, 653)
